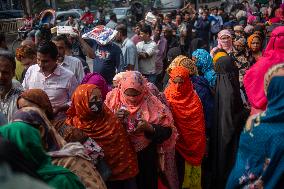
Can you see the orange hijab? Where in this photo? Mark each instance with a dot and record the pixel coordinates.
(106, 130)
(188, 116)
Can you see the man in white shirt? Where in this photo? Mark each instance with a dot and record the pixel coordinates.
(69, 62)
(147, 50)
(58, 82)
(128, 48)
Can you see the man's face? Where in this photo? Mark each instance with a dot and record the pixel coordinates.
(6, 74)
(71, 20)
(167, 20)
(137, 30)
(204, 15)
(60, 48)
(157, 32)
(187, 17)
(118, 37)
(144, 36)
(178, 19)
(45, 62)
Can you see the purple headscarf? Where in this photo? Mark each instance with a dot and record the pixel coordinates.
(98, 80)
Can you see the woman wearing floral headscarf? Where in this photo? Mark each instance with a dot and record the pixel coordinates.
(225, 41)
(189, 120)
(241, 57)
(148, 122)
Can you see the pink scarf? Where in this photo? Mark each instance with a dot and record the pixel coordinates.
(254, 77)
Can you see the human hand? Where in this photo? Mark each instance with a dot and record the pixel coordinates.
(121, 114)
(143, 126)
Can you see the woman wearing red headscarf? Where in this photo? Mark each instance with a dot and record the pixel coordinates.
(189, 119)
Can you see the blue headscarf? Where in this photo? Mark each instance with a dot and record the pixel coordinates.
(261, 148)
(205, 65)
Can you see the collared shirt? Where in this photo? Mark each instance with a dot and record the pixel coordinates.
(74, 65)
(129, 52)
(147, 66)
(161, 55)
(8, 105)
(59, 86)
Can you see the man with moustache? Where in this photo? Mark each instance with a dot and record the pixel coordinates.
(58, 82)
(9, 89)
(128, 48)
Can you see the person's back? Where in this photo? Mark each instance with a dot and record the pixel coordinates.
(107, 60)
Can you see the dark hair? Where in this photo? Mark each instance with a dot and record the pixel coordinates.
(9, 56)
(113, 17)
(122, 29)
(61, 37)
(168, 16)
(48, 48)
(2, 37)
(159, 26)
(146, 29)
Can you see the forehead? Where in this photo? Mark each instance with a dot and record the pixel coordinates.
(59, 43)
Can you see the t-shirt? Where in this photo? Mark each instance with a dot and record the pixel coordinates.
(108, 60)
(148, 65)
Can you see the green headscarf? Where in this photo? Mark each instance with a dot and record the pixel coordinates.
(29, 142)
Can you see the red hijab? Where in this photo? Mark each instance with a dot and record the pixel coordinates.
(188, 116)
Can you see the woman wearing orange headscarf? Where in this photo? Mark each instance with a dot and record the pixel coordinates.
(189, 119)
(148, 122)
(88, 113)
(255, 48)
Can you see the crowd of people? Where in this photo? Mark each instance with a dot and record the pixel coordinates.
(193, 100)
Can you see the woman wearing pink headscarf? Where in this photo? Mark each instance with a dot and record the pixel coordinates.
(149, 124)
(254, 78)
(225, 42)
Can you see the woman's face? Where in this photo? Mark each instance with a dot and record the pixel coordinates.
(132, 95)
(178, 80)
(22, 103)
(255, 44)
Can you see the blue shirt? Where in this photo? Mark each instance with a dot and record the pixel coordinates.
(108, 60)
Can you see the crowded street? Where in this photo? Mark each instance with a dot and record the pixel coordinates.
(142, 95)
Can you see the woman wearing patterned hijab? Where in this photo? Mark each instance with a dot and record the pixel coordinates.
(149, 124)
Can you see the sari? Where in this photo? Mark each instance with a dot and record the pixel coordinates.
(73, 156)
(205, 65)
(106, 130)
(260, 156)
(254, 77)
(29, 142)
(189, 119)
